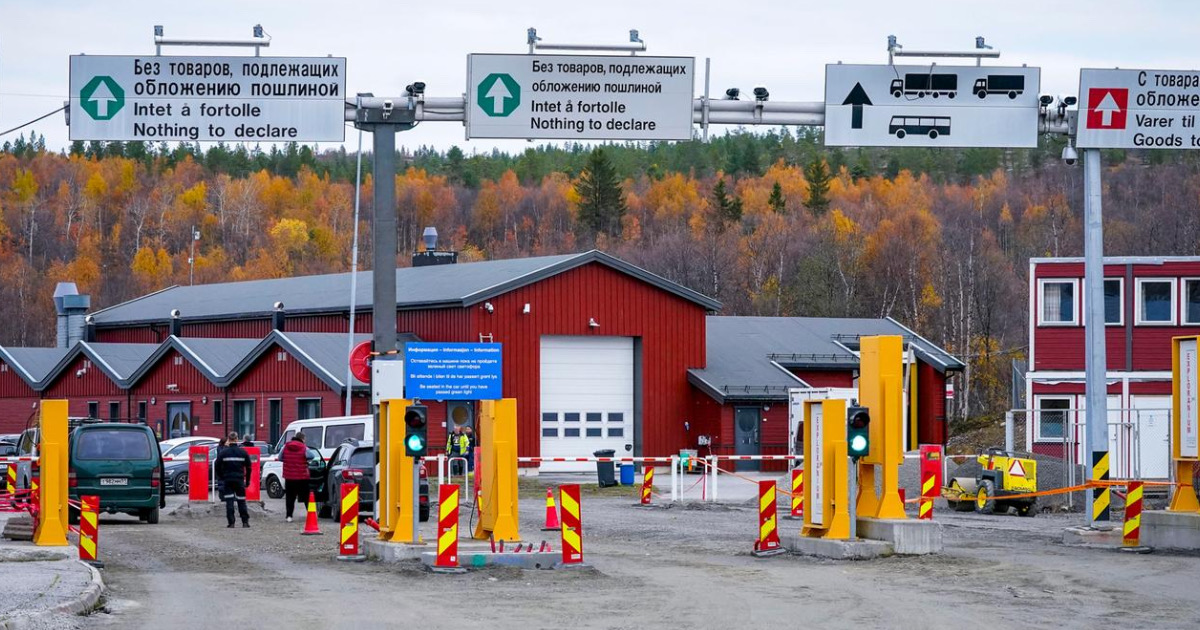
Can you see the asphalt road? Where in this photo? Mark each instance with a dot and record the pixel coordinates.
(685, 566)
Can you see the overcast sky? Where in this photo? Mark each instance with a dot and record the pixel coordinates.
(781, 44)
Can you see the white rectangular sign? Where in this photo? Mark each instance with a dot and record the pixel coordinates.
(931, 106)
(816, 468)
(1138, 109)
(226, 99)
(1188, 417)
(579, 97)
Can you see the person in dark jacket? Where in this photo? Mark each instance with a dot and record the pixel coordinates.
(233, 468)
(295, 472)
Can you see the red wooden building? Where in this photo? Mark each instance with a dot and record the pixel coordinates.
(1147, 301)
(600, 354)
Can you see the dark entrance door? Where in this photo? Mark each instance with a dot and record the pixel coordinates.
(746, 421)
(275, 409)
(179, 419)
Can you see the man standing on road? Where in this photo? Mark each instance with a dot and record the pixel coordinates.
(233, 468)
(295, 472)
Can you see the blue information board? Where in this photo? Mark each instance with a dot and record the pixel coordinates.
(452, 371)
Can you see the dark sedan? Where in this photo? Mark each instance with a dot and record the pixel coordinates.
(176, 471)
(354, 462)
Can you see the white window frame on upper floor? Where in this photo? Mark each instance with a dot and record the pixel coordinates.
(1140, 320)
(1041, 302)
(1183, 316)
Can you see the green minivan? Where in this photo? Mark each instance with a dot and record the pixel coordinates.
(120, 464)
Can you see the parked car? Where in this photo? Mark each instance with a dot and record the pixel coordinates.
(273, 482)
(119, 463)
(354, 462)
(323, 434)
(178, 447)
(8, 448)
(176, 471)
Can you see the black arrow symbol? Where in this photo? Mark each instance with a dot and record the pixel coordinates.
(857, 97)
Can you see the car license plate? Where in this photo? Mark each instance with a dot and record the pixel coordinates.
(114, 481)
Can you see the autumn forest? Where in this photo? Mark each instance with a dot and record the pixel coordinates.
(768, 223)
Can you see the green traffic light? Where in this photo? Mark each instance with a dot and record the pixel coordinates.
(415, 444)
(858, 444)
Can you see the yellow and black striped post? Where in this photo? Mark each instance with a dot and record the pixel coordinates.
(1101, 495)
(797, 493)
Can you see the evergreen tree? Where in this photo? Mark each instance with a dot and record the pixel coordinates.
(777, 201)
(601, 200)
(818, 176)
(728, 208)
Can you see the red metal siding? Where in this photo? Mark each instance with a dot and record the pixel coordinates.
(134, 334)
(16, 413)
(671, 331)
(931, 405)
(1062, 347)
(12, 385)
(192, 386)
(708, 417)
(93, 384)
(288, 380)
(826, 378)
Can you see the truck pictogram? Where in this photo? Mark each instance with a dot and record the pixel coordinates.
(921, 84)
(1010, 84)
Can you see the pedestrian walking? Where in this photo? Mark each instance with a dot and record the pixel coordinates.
(233, 469)
(295, 472)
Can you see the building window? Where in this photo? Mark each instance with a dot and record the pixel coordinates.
(549, 431)
(1058, 303)
(595, 417)
(616, 431)
(571, 432)
(142, 412)
(114, 411)
(549, 418)
(1052, 417)
(243, 418)
(1114, 302)
(308, 408)
(178, 360)
(595, 432)
(571, 417)
(218, 412)
(94, 410)
(1156, 301)
(1191, 301)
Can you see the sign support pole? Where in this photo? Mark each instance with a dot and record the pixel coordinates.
(1096, 418)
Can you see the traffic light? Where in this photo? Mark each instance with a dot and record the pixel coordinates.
(858, 435)
(416, 430)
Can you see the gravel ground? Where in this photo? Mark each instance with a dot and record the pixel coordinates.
(34, 580)
(649, 567)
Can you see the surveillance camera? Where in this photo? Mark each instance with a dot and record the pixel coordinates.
(761, 94)
(1046, 100)
(279, 306)
(88, 319)
(1069, 100)
(487, 306)
(732, 94)
(416, 88)
(1069, 156)
(175, 313)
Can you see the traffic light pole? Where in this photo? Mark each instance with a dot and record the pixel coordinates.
(1095, 435)
(852, 466)
(383, 122)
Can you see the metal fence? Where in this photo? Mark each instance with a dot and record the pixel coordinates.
(1138, 444)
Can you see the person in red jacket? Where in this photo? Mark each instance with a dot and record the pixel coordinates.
(295, 472)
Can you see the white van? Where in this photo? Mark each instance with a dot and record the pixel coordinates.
(323, 434)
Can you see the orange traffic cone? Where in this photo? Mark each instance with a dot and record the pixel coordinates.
(310, 524)
(552, 523)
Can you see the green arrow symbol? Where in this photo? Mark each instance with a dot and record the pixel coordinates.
(102, 97)
(499, 93)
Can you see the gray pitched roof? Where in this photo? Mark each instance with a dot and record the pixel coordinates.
(120, 361)
(748, 356)
(416, 287)
(33, 364)
(213, 357)
(325, 354)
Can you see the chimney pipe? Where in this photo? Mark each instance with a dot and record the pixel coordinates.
(89, 329)
(71, 308)
(431, 256)
(278, 321)
(176, 324)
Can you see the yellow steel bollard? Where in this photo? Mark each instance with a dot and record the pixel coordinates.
(52, 514)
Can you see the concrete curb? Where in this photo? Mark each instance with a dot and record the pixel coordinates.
(84, 603)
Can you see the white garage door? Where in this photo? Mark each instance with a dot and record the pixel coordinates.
(587, 398)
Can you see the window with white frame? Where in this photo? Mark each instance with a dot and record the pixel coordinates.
(1052, 414)
(1058, 304)
(1155, 301)
(1191, 301)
